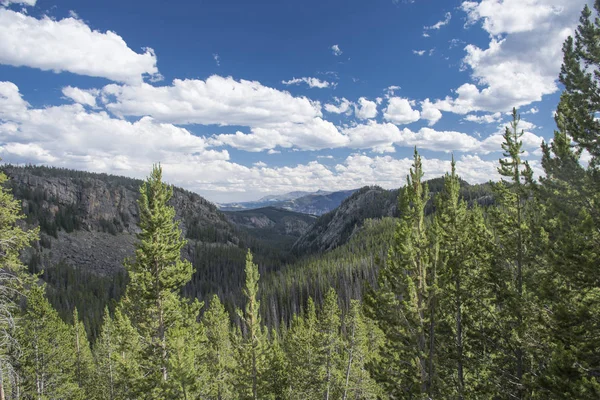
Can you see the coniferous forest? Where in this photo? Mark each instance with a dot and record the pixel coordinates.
(452, 299)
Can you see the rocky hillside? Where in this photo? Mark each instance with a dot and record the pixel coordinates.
(90, 220)
(336, 227)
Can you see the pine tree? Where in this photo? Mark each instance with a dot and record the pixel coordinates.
(275, 378)
(128, 357)
(105, 353)
(13, 239)
(464, 302)
(329, 346)
(157, 275)
(84, 362)
(302, 353)
(570, 194)
(47, 361)
(404, 304)
(512, 222)
(358, 383)
(252, 347)
(220, 357)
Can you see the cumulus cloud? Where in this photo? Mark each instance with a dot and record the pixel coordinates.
(311, 82)
(522, 61)
(30, 3)
(365, 109)
(430, 112)
(85, 97)
(400, 111)
(314, 135)
(419, 52)
(70, 45)
(343, 106)
(484, 119)
(61, 135)
(335, 49)
(217, 59)
(217, 100)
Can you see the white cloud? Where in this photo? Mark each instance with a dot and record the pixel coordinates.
(511, 16)
(311, 82)
(344, 106)
(335, 49)
(70, 45)
(85, 97)
(430, 112)
(260, 164)
(217, 100)
(523, 58)
(30, 3)
(217, 59)
(484, 119)
(365, 109)
(400, 111)
(12, 104)
(439, 24)
(315, 135)
(419, 52)
(61, 135)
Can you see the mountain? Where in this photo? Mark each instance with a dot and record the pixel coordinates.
(88, 225)
(336, 227)
(278, 227)
(317, 203)
(290, 196)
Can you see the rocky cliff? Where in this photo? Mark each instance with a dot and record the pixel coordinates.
(90, 220)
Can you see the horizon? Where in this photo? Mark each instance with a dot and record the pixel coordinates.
(238, 101)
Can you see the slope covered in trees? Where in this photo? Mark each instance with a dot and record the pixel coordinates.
(494, 301)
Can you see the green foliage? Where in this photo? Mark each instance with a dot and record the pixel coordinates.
(220, 356)
(152, 300)
(47, 361)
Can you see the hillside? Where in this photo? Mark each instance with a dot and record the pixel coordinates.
(88, 225)
(336, 227)
(317, 203)
(278, 227)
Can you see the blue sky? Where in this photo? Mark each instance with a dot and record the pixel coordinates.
(241, 99)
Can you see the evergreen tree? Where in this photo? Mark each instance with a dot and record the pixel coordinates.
(47, 360)
(157, 275)
(302, 354)
(404, 304)
(358, 382)
(13, 239)
(513, 258)
(464, 302)
(105, 354)
(275, 376)
(220, 356)
(570, 194)
(84, 361)
(252, 346)
(329, 346)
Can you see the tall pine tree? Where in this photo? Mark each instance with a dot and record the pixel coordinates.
(404, 304)
(157, 274)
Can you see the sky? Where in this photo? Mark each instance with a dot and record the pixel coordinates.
(239, 99)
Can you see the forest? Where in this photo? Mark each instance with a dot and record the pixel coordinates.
(450, 299)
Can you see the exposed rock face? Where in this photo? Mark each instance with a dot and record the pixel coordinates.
(90, 220)
(336, 227)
